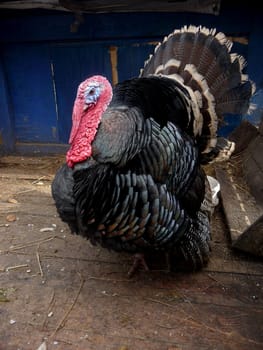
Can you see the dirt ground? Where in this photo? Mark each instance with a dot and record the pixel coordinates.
(59, 292)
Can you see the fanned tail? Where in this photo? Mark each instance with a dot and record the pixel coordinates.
(200, 60)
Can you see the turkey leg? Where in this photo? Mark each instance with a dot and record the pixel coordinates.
(138, 261)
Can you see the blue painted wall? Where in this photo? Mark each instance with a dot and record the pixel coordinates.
(42, 62)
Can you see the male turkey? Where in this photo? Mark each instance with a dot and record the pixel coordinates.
(133, 179)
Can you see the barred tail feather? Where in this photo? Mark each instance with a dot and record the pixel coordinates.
(201, 60)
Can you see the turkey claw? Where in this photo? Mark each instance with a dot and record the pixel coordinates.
(138, 261)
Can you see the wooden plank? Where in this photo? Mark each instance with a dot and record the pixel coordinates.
(7, 139)
(249, 141)
(113, 51)
(253, 166)
(240, 208)
(243, 135)
(97, 6)
(251, 239)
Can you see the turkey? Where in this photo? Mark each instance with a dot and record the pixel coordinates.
(133, 179)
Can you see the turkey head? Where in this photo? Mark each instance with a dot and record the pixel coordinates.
(93, 97)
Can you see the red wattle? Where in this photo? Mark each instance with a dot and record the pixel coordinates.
(85, 122)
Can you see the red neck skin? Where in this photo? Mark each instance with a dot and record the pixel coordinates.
(85, 125)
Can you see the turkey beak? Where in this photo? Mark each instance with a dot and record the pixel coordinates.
(86, 106)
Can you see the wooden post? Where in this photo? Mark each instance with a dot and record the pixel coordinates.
(113, 50)
(7, 137)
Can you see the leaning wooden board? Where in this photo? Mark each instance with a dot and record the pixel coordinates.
(244, 216)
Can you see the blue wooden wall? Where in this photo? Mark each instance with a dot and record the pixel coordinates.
(42, 63)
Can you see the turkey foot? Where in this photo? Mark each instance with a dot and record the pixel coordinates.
(138, 261)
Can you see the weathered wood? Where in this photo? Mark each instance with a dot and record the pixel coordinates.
(90, 6)
(241, 209)
(243, 135)
(113, 51)
(253, 166)
(251, 239)
(242, 189)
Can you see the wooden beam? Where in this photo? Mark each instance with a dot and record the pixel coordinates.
(243, 215)
(7, 137)
(113, 51)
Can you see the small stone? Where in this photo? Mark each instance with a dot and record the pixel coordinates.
(11, 217)
(12, 200)
(46, 229)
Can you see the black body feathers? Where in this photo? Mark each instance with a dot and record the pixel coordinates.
(143, 189)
